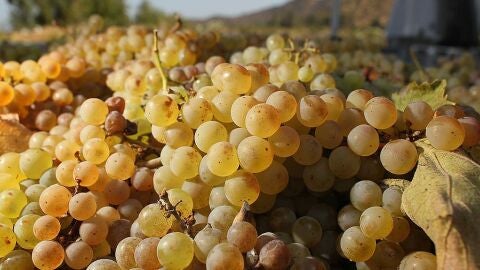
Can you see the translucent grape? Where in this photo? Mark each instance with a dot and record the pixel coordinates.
(343, 162)
(93, 231)
(182, 200)
(348, 216)
(285, 103)
(312, 111)
(85, 173)
(309, 152)
(274, 179)
(175, 250)
(17, 259)
(399, 156)
(224, 256)
(356, 246)
(90, 132)
(363, 140)
(243, 235)
(472, 130)
(285, 142)
(146, 253)
(380, 113)
(358, 99)
(93, 111)
(329, 134)
(8, 240)
(153, 221)
(318, 177)
(82, 206)
(208, 134)
(400, 230)
(34, 162)
(197, 111)
(64, 173)
(117, 192)
(242, 186)
(66, 150)
(376, 222)
(6, 93)
(231, 77)
(164, 179)
(274, 255)
(185, 161)
(125, 252)
(240, 108)
(161, 110)
(307, 231)
(178, 134)
(418, 114)
(95, 150)
(78, 255)
(445, 133)
(263, 92)
(365, 194)
(255, 154)
(387, 254)
(120, 166)
(222, 106)
(419, 260)
(12, 202)
(46, 227)
(222, 217)
(48, 255)
(103, 264)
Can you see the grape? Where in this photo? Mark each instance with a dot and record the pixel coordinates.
(207, 176)
(285, 103)
(285, 142)
(10, 164)
(208, 134)
(318, 177)
(95, 151)
(365, 194)
(348, 217)
(399, 156)
(224, 256)
(263, 92)
(343, 162)
(222, 105)
(400, 230)
(262, 120)
(175, 250)
(371, 168)
(417, 115)
(93, 231)
(153, 221)
(307, 231)
(178, 134)
(376, 222)
(197, 111)
(325, 214)
(329, 134)
(310, 263)
(358, 99)
(217, 197)
(275, 41)
(161, 110)
(305, 74)
(223, 160)
(85, 173)
(242, 186)
(24, 94)
(298, 251)
(93, 111)
(8, 240)
(380, 113)
(17, 259)
(6, 221)
(120, 166)
(472, 130)
(208, 92)
(125, 252)
(48, 255)
(117, 231)
(104, 264)
(312, 111)
(274, 179)
(255, 154)
(240, 108)
(182, 200)
(164, 179)
(34, 162)
(82, 206)
(90, 132)
(130, 209)
(356, 246)
(7, 181)
(6, 93)
(185, 161)
(11, 202)
(142, 179)
(212, 62)
(117, 192)
(45, 120)
(445, 133)
(222, 217)
(419, 260)
(231, 77)
(363, 140)
(205, 240)
(392, 200)
(115, 123)
(66, 150)
(281, 219)
(78, 255)
(116, 104)
(274, 255)
(309, 152)
(287, 71)
(243, 235)
(46, 227)
(146, 254)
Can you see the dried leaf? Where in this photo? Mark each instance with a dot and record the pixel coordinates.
(13, 136)
(432, 93)
(444, 200)
(401, 184)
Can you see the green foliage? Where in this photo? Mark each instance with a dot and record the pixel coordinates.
(28, 13)
(432, 93)
(148, 14)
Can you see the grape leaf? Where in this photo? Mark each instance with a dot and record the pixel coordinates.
(444, 200)
(13, 136)
(401, 184)
(432, 93)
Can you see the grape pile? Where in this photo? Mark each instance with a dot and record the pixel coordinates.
(178, 159)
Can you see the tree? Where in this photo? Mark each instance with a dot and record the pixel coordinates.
(148, 14)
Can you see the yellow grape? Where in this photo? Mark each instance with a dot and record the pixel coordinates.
(85, 173)
(66, 150)
(223, 159)
(356, 246)
(64, 173)
(363, 140)
(95, 151)
(240, 108)
(237, 135)
(285, 103)
(34, 162)
(255, 154)
(262, 120)
(209, 133)
(312, 111)
(199, 192)
(419, 260)
(120, 166)
(274, 179)
(178, 134)
(285, 142)
(182, 200)
(350, 118)
(164, 179)
(82, 206)
(376, 222)
(6, 93)
(24, 231)
(196, 111)
(93, 111)
(242, 186)
(343, 162)
(399, 156)
(329, 134)
(175, 250)
(231, 77)
(8, 240)
(358, 99)
(472, 130)
(365, 194)
(445, 133)
(380, 113)
(54, 200)
(309, 152)
(161, 110)
(48, 255)
(222, 106)
(10, 164)
(46, 227)
(153, 221)
(185, 161)
(418, 114)
(12, 202)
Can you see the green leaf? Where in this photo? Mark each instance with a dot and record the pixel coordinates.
(432, 93)
(444, 200)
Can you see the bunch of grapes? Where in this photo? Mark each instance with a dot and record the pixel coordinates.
(238, 164)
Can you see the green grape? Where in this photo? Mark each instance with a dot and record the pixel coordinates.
(287, 71)
(274, 179)
(376, 222)
(175, 250)
(104, 264)
(380, 113)
(418, 114)
(196, 111)
(10, 164)
(24, 231)
(164, 179)
(309, 152)
(95, 151)
(356, 246)
(419, 260)
(153, 221)
(275, 41)
(120, 166)
(48, 255)
(8, 240)
(312, 111)
(178, 134)
(242, 186)
(318, 177)
(307, 231)
(64, 173)
(223, 160)
(209, 133)
(145, 254)
(343, 162)
(11, 202)
(232, 78)
(285, 142)
(46, 227)
(322, 81)
(224, 256)
(222, 106)
(182, 200)
(36, 140)
(348, 216)
(93, 111)
(445, 133)
(305, 74)
(54, 200)
(207, 176)
(399, 156)
(8, 181)
(34, 162)
(255, 154)
(48, 178)
(66, 150)
(125, 252)
(240, 108)
(363, 140)
(285, 103)
(472, 131)
(161, 110)
(185, 161)
(365, 194)
(17, 259)
(329, 134)
(86, 173)
(222, 217)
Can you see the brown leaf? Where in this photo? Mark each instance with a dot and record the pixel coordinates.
(444, 200)
(13, 136)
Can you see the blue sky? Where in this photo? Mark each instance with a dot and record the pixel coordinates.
(197, 9)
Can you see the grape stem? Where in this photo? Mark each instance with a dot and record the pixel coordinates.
(141, 144)
(185, 223)
(151, 164)
(157, 61)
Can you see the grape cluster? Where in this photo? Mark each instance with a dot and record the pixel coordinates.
(254, 162)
